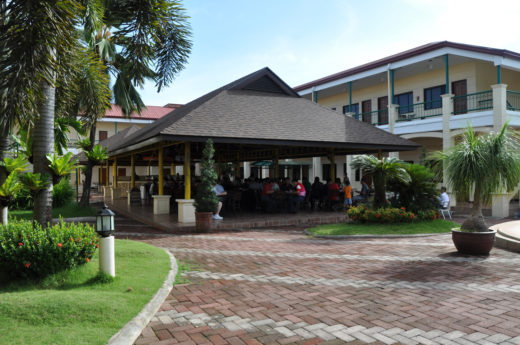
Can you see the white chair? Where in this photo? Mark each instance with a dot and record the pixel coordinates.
(445, 208)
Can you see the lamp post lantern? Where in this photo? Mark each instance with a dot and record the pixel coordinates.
(105, 228)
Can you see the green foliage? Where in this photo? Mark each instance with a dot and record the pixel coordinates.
(97, 155)
(35, 182)
(22, 199)
(17, 164)
(205, 198)
(28, 250)
(60, 165)
(62, 193)
(62, 126)
(363, 214)
(9, 189)
(419, 194)
(381, 170)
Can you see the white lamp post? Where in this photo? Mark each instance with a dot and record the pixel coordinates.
(105, 228)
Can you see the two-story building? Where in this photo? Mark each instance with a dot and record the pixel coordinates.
(428, 94)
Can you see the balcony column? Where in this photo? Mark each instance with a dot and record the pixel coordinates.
(499, 106)
(392, 118)
(447, 139)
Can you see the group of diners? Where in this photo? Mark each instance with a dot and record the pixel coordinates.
(291, 195)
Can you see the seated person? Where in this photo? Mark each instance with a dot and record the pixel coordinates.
(316, 190)
(267, 193)
(220, 192)
(444, 199)
(287, 186)
(333, 190)
(363, 194)
(298, 196)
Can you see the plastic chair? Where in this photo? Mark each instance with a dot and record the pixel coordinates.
(445, 208)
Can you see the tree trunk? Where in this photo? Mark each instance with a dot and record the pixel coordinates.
(43, 144)
(4, 147)
(379, 190)
(85, 196)
(475, 221)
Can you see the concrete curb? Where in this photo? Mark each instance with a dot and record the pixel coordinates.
(346, 237)
(131, 331)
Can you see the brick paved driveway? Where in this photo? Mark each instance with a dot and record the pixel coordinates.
(283, 288)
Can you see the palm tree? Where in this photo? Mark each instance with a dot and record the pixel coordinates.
(138, 41)
(488, 164)
(38, 39)
(381, 170)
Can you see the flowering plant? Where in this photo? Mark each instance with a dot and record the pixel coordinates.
(28, 250)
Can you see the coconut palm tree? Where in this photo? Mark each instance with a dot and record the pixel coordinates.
(137, 40)
(38, 39)
(381, 170)
(487, 164)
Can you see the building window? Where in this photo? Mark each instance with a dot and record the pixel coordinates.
(354, 108)
(405, 101)
(333, 109)
(357, 175)
(103, 135)
(432, 97)
(121, 171)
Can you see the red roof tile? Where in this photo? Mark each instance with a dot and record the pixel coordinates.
(151, 112)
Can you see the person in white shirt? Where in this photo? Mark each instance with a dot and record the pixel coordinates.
(444, 198)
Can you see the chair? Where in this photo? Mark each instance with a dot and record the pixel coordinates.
(445, 208)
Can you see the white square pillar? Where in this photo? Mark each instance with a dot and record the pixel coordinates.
(186, 210)
(499, 106)
(161, 204)
(500, 205)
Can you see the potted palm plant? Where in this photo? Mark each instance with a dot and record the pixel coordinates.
(486, 164)
(205, 198)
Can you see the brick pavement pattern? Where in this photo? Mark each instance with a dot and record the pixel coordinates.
(269, 287)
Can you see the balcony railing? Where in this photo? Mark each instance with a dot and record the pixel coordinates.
(376, 117)
(513, 100)
(419, 111)
(477, 101)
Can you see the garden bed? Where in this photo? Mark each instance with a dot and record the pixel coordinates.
(421, 227)
(76, 306)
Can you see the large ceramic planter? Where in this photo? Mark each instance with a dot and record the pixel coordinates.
(474, 243)
(203, 221)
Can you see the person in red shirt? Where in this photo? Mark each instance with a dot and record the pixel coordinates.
(267, 191)
(297, 197)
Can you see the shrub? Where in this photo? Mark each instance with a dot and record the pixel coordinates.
(62, 193)
(363, 214)
(22, 200)
(419, 194)
(29, 251)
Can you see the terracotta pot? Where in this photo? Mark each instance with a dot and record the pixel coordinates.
(203, 221)
(475, 243)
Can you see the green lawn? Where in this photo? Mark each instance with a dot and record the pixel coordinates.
(76, 307)
(426, 227)
(69, 211)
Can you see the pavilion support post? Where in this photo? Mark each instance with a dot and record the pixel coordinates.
(332, 166)
(172, 169)
(132, 171)
(114, 172)
(276, 165)
(107, 176)
(379, 154)
(107, 190)
(186, 208)
(161, 202)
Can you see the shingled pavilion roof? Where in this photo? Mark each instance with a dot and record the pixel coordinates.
(261, 109)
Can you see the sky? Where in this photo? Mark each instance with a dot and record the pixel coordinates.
(303, 40)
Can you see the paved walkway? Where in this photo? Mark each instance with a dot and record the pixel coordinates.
(280, 287)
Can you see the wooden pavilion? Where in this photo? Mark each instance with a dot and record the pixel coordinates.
(257, 117)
